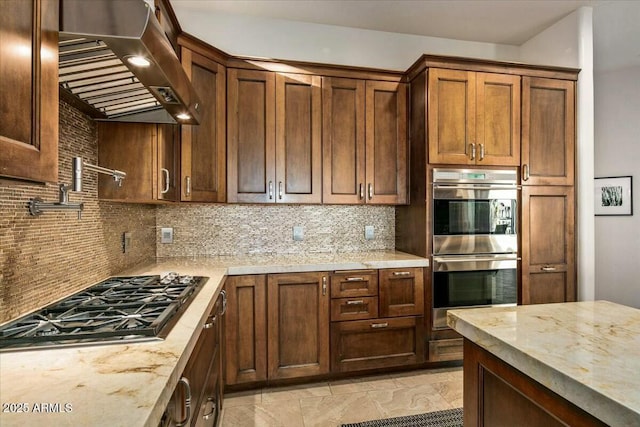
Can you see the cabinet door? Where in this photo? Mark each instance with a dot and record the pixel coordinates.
(246, 329)
(298, 138)
(203, 146)
(343, 140)
(386, 142)
(401, 292)
(251, 136)
(168, 140)
(452, 116)
(131, 148)
(29, 90)
(498, 119)
(379, 343)
(298, 325)
(548, 131)
(548, 245)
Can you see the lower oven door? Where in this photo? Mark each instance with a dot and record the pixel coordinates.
(463, 281)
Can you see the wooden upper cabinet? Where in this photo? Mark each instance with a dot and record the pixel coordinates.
(343, 112)
(274, 140)
(386, 142)
(548, 244)
(251, 136)
(148, 153)
(474, 118)
(298, 324)
(548, 131)
(298, 138)
(29, 90)
(203, 146)
(364, 141)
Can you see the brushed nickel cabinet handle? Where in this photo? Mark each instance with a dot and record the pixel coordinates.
(165, 172)
(379, 325)
(354, 279)
(223, 293)
(370, 191)
(324, 285)
(187, 402)
(481, 151)
(548, 268)
(210, 324)
(472, 146)
(361, 191)
(188, 190)
(525, 172)
(356, 302)
(280, 190)
(270, 190)
(401, 273)
(208, 415)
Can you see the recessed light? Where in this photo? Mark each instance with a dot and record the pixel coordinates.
(183, 116)
(138, 61)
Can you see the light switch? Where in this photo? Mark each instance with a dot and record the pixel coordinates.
(298, 233)
(166, 235)
(368, 232)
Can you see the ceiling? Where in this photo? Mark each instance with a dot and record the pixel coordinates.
(510, 22)
(493, 21)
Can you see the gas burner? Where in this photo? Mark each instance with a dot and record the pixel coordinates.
(115, 310)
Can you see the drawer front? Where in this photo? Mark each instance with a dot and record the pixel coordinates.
(401, 292)
(357, 283)
(354, 308)
(379, 343)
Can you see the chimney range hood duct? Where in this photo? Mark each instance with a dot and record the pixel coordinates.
(99, 43)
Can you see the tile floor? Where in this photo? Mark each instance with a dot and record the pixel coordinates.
(333, 403)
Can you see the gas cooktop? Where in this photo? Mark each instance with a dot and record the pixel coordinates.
(116, 310)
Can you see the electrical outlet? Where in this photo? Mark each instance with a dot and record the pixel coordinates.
(368, 232)
(166, 235)
(298, 233)
(126, 242)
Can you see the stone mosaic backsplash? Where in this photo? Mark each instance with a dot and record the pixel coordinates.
(212, 230)
(45, 258)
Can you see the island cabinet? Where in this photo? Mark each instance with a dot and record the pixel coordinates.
(376, 319)
(548, 131)
(364, 141)
(29, 90)
(277, 327)
(274, 137)
(473, 118)
(148, 153)
(203, 149)
(548, 244)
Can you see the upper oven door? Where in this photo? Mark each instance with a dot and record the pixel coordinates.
(470, 218)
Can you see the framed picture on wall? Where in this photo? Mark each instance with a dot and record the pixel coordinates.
(613, 196)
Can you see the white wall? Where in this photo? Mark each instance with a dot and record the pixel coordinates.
(281, 39)
(569, 42)
(617, 153)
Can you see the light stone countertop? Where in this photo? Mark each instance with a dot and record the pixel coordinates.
(587, 352)
(131, 384)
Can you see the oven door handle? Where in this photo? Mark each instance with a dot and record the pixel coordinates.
(478, 187)
(445, 260)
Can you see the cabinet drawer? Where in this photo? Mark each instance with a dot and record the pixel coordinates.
(370, 344)
(354, 308)
(401, 292)
(357, 283)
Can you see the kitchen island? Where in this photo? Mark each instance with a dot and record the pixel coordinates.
(131, 384)
(551, 364)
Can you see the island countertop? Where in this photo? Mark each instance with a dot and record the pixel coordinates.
(131, 384)
(587, 352)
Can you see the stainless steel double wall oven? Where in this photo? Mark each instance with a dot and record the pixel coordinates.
(475, 242)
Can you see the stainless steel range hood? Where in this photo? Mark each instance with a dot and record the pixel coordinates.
(100, 40)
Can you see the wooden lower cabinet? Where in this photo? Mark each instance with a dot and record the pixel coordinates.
(496, 394)
(246, 330)
(401, 292)
(298, 324)
(376, 343)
